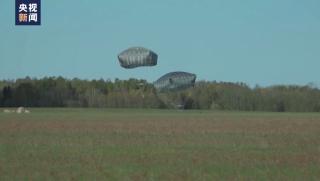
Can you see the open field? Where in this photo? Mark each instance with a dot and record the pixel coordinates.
(124, 144)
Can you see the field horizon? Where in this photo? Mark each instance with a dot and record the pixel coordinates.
(156, 144)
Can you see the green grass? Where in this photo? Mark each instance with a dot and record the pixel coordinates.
(139, 144)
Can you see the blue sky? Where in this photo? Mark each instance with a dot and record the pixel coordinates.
(256, 42)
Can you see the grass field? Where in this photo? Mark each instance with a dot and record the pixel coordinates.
(129, 144)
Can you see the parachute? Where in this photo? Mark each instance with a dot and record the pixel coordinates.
(171, 87)
(175, 81)
(137, 57)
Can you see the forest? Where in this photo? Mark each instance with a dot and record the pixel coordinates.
(136, 93)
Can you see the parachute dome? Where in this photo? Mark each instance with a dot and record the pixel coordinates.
(137, 57)
(175, 81)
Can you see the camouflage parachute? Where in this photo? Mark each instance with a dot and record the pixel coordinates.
(137, 57)
(175, 81)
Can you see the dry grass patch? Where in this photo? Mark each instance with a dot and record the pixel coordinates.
(84, 144)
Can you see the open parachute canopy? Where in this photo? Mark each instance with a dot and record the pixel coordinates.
(175, 81)
(137, 57)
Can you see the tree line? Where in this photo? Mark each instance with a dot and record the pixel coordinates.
(136, 93)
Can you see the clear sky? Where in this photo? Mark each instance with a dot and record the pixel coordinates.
(256, 42)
